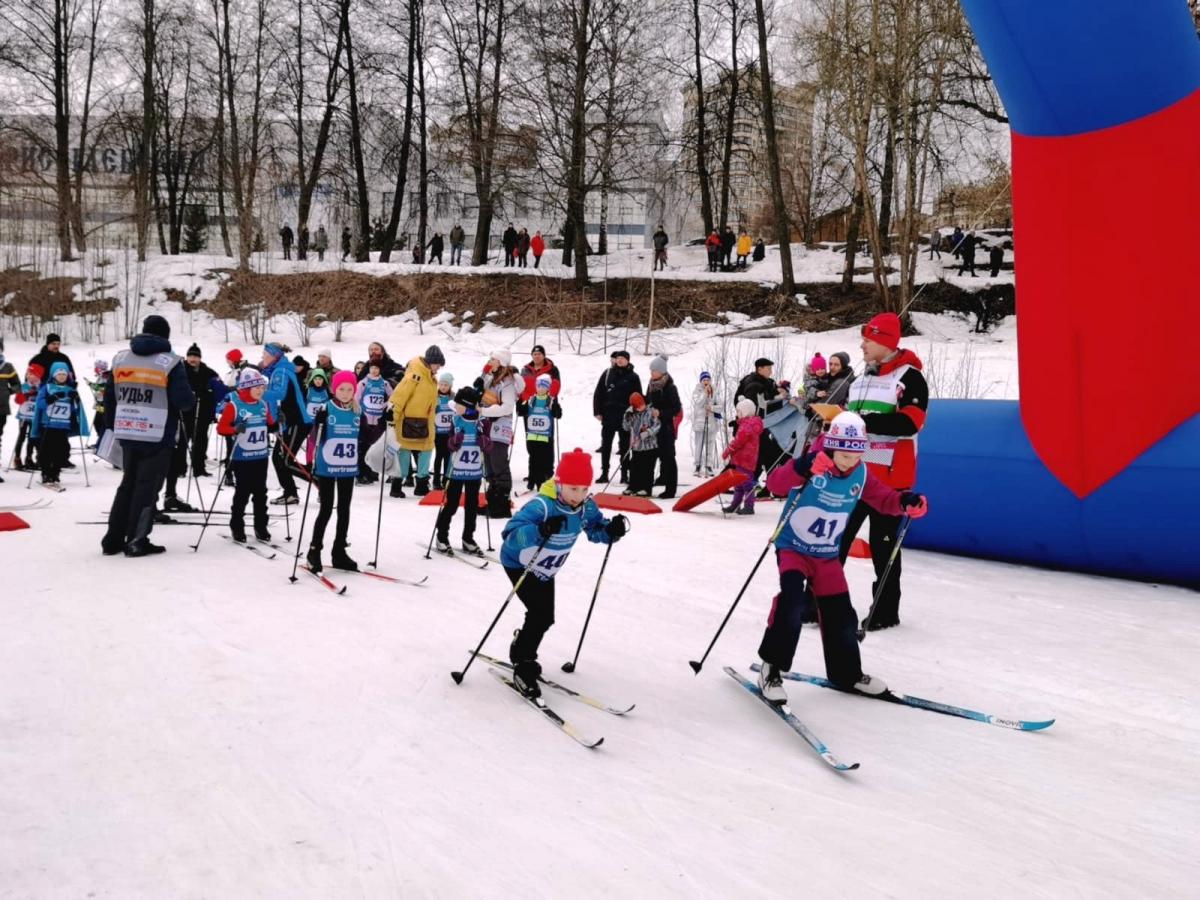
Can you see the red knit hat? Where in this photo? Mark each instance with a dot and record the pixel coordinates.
(575, 468)
(233, 357)
(637, 401)
(884, 329)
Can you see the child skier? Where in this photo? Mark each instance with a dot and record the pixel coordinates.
(443, 427)
(704, 426)
(742, 454)
(643, 445)
(821, 493)
(552, 520)
(56, 416)
(466, 448)
(371, 398)
(316, 396)
(539, 412)
(337, 465)
(103, 376)
(26, 403)
(246, 419)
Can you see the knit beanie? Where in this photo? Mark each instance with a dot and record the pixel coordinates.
(194, 350)
(659, 364)
(705, 376)
(844, 357)
(637, 401)
(883, 329)
(504, 357)
(445, 378)
(575, 468)
(468, 397)
(233, 357)
(745, 407)
(250, 377)
(433, 356)
(155, 325)
(818, 364)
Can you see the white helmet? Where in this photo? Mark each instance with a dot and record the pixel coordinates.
(847, 432)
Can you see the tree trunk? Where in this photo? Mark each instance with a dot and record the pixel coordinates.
(356, 149)
(389, 235)
(788, 283)
(422, 149)
(702, 174)
(887, 178)
(576, 176)
(309, 178)
(730, 117)
(852, 227)
(62, 136)
(141, 177)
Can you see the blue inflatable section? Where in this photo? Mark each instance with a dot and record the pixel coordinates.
(1070, 66)
(990, 496)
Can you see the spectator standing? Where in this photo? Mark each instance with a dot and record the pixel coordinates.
(436, 245)
(51, 353)
(509, 242)
(935, 244)
(609, 402)
(660, 248)
(956, 241)
(728, 241)
(996, 259)
(321, 242)
(663, 399)
(457, 238)
(538, 245)
(704, 427)
(968, 254)
(539, 364)
(286, 237)
(713, 245)
(347, 244)
(522, 248)
(744, 246)
(302, 243)
(760, 387)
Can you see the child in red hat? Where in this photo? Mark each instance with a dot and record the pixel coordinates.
(540, 537)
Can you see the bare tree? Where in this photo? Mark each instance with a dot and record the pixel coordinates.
(414, 8)
(782, 227)
(363, 252)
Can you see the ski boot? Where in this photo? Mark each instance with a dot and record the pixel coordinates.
(339, 560)
(229, 478)
(397, 489)
(422, 487)
(261, 534)
(237, 530)
(313, 558)
(143, 547)
(525, 677)
(285, 500)
(770, 683)
(869, 685)
(469, 546)
(409, 480)
(746, 510)
(603, 479)
(437, 483)
(174, 504)
(443, 547)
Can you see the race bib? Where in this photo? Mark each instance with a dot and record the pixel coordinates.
(548, 561)
(445, 419)
(340, 451)
(539, 423)
(253, 440)
(469, 462)
(374, 403)
(818, 527)
(315, 407)
(59, 412)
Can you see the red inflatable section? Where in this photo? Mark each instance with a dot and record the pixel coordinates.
(11, 522)
(730, 478)
(1137, 186)
(621, 503)
(434, 498)
(860, 549)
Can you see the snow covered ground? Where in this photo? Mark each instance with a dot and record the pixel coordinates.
(193, 725)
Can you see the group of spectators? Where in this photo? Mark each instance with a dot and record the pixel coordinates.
(722, 245)
(963, 247)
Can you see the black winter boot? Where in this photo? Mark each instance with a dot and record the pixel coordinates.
(314, 557)
(422, 487)
(339, 560)
(237, 530)
(397, 488)
(525, 677)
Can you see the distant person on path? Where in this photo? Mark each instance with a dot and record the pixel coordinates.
(968, 254)
(935, 244)
(436, 245)
(457, 238)
(538, 245)
(321, 243)
(302, 243)
(996, 259)
(956, 241)
(522, 248)
(713, 245)
(728, 241)
(660, 240)
(143, 402)
(609, 402)
(347, 242)
(760, 250)
(286, 237)
(744, 246)
(509, 242)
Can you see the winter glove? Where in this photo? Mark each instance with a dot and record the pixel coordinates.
(389, 415)
(239, 428)
(552, 526)
(718, 416)
(821, 463)
(914, 504)
(320, 416)
(617, 528)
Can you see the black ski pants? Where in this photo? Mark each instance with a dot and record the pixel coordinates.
(541, 462)
(538, 597)
(327, 488)
(54, 452)
(143, 469)
(882, 540)
(609, 428)
(668, 468)
(284, 463)
(249, 483)
(454, 491)
(441, 459)
(837, 621)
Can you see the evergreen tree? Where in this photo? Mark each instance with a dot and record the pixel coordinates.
(195, 229)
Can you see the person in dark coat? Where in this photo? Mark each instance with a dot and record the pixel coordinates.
(760, 251)
(457, 238)
(287, 237)
(760, 388)
(968, 254)
(377, 355)
(712, 245)
(436, 246)
(302, 243)
(956, 240)
(209, 390)
(522, 248)
(728, 242)
(609, 402)
(144, 463)
(841, 376)
(347, 242)
(51, 353)
(660, 241)
(509, 241)
(996, 259)
(663, 399)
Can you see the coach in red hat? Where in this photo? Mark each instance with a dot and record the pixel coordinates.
(892, 397)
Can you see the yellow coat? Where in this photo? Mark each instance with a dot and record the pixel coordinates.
(415, 397)
(744, 245)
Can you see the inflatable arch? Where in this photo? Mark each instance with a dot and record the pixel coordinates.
(1098, 469)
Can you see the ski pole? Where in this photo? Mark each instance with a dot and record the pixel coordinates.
(887, 570)
(458, 676)
(304, 514)
(87, 481)
(787, 514)
(570, 666)
(213, 505)
(383, 465)
(620, 464)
